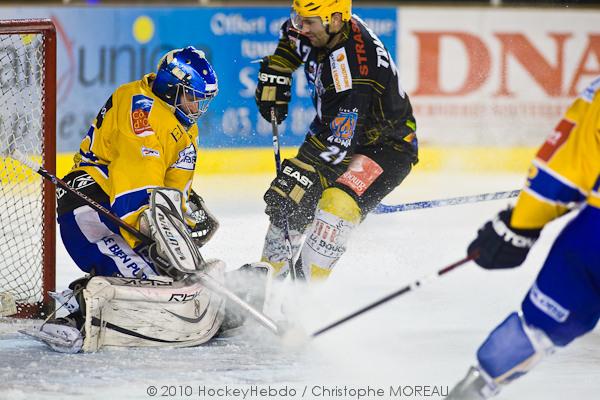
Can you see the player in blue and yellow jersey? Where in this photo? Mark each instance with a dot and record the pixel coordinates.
(564, 302)
(144, 137)
(138, 160)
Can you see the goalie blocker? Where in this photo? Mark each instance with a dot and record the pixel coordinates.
(174, 251)
(156, 312)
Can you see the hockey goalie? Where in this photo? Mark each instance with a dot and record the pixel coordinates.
(138, 160)
(172, 308)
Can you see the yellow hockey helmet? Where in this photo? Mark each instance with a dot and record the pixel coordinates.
(322, 8)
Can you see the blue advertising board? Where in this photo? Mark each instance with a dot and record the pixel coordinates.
(100, 48)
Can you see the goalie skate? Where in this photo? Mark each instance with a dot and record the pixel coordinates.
(66, 299)
(61, 337)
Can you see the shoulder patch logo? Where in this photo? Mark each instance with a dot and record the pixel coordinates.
(340, 70)
(148, 152)
(187, 158)
(140, 111)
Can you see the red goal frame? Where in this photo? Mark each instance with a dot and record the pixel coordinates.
(46, 28)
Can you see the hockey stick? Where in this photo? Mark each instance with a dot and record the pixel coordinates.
(452, 201)
(20, 157)
(206, 280)
(286, 225)
(415, 285)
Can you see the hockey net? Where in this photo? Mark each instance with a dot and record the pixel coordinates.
(27, 202)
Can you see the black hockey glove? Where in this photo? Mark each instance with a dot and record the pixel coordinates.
(499, 246)
(274, 89)
(203, 223)
(293, 193)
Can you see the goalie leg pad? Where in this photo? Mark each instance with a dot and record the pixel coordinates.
(513, 349)
(152, 313)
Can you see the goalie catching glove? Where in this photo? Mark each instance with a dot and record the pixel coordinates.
(203, 224)
(173, 251)
(293, 194)
(498, 245)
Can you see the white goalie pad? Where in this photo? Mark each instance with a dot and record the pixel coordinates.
(174, 250)
(157, 312)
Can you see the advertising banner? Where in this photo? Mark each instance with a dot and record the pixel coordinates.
(100, 48)
(495, 77)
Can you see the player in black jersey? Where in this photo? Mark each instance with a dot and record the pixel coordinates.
(360, 146)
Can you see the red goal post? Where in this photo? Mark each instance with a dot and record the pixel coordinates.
(27, 202)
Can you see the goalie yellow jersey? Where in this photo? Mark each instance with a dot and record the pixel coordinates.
(566, 169)
(136, 143)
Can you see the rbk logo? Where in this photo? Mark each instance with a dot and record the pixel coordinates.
(188, 319)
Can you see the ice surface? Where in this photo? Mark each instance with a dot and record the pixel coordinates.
(427, 337)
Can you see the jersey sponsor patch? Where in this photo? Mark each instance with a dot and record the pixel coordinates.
(187, 159)
(359, 48)
(323, 240)
(140, 111)
(361, 173)
(342, 127)
(556, 140)
(148, 152)
(548, 305)
(340, 70)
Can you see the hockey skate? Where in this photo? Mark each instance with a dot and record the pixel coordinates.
(60, 334)
(474, 386)
(64, 334)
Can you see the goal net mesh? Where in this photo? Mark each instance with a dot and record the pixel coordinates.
(22, 214)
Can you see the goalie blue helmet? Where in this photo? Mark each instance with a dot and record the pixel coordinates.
(186, 81)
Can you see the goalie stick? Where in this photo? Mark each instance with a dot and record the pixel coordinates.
(451, 201)
(20, 157)
(205, 279)
(286, 225)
